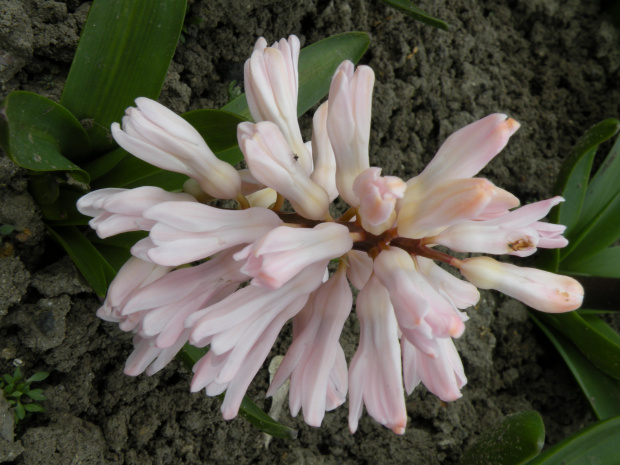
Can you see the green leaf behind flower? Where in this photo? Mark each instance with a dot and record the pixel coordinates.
(124, 52)
(518, 438)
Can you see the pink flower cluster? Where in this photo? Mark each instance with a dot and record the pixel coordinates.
(410, 309)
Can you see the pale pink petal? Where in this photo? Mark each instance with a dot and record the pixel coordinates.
(245, 306)
(550, 235)
(133, 275)
(417, 304)
(378, 195)
(312, 357)
(284, 252)
(120, 210)
(348, 124)
(539, 289)
(271, 88)
(184, 232)
(324, 173)
(255, 317)
(359, 268)
(375, 374)
(445, 204)
(460, 293)
(443, 375)
(468, 150)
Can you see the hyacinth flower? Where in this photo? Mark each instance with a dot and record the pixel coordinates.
(256, 267)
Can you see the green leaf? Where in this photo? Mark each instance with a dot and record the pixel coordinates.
(597, 444)
(103, 164)
(252, 413)
(518, 438)
(189, 355)
(603, 187)
(573, 178)
(602, 391)
(594, 338)
(124, 52)
(593, 227)
(40, 135)
(16, 394)
(17, 375)
(605, 263)
(217, 127)
(116, 249)
(36, 394)
(411, 10)
(38, 376)
(20, 413)
(33, 408)
(6, 229)
(132, 172)
(97, 271)
(317, 64)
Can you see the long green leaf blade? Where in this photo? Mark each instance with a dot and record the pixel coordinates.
(604, 185)
(86, 257)
(124, 53)
(518, 438)
(605, 263)
(602, 391)
(599, 343)
(411, 10)
(571, 184)
(597, 444)
(573, 177)
(597, 222)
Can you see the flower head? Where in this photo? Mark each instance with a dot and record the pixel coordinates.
(266, 262)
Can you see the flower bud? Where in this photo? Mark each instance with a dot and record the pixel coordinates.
(272, 163)
(378, 195)
(348, 124)
(159, 136)
(541, 290)
(271, 82)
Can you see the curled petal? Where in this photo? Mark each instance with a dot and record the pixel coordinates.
(133, 275)
(544, 291)
(313, 361)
